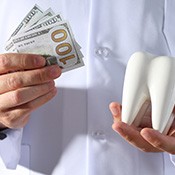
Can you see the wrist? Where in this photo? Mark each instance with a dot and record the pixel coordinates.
(2, 134)
(2, 127)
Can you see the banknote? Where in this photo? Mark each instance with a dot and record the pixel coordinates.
(34, 14)
(44, 16)
(48, 22)
(55, 42)
(49, 35)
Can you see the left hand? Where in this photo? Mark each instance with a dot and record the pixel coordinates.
(143, 137)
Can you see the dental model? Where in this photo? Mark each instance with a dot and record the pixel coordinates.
(149, 80)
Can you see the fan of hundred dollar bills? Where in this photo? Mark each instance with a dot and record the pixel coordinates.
(46, 34)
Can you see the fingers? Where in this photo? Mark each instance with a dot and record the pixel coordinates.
(15, 62)
(130, 133)
(17, 117)
(25, 84)
(133, 136)
(40, 100)
(115, 109)
(156, 139)
(146, 139)
(24, 95)
(21, 79)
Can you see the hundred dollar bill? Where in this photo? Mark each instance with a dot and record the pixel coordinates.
(55, 43)
(49, 22)
(35, 13)
(38, 19)
(44, 16)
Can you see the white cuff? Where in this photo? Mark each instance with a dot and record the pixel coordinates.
(172, 158)
(10, 148)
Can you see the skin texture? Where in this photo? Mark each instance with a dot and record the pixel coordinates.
(143, 137)
(25, 84)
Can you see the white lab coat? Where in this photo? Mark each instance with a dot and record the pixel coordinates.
(72, 133)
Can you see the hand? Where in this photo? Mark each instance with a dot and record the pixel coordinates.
(143, 137)
(25, 84)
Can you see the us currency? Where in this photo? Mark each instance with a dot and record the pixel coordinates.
(48, 22)
(44, 16)
(56, 43)
(34, 37)
(52, 21)
(32, 18)
(34, 14)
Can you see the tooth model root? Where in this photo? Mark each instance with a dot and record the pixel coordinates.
(149, 78)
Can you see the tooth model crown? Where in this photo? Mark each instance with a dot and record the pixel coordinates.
(149, 78)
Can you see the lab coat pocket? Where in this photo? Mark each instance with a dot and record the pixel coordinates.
(23, 166)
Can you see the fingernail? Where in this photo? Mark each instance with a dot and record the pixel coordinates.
(114, 111)
(40, 61)
(54, 72)
(146, 135)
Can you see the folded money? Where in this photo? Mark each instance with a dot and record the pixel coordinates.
(47, 34)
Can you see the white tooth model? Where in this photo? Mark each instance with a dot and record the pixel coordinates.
(149, 79)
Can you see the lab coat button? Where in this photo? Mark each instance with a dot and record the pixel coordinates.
(102, 52)
(100, 135)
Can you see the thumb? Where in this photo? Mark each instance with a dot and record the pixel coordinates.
(115, 109)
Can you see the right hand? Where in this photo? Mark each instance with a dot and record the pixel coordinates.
(25, 84)
(143, 136)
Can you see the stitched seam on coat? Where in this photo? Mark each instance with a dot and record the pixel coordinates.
(163, 26)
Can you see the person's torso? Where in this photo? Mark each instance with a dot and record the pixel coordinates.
(72, 133)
